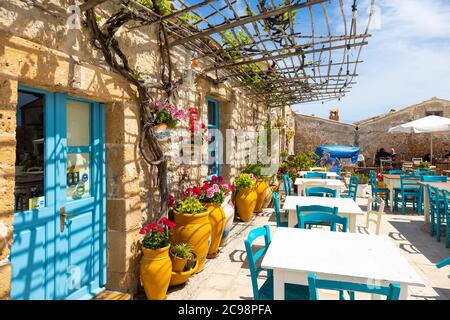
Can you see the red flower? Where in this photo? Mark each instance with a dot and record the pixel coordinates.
(143, 231)
(160, 229)
(193, 110)
(163, 220)
(184, 196)
(151, 226)
(203, 125)
(197, 190)
(170, 224)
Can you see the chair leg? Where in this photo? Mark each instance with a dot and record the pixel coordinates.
(403, 204)
(431, 221)
(438, 225)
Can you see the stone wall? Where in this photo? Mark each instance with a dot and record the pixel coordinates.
(39, 50)
(311, 132)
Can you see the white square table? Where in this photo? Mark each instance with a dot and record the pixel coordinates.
(347, 207)
(330, 175)
(294, 253)
(334, 184)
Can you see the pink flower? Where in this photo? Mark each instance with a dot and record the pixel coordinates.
(180, 115)
(212, 191)
(156, 105)
(171, 108)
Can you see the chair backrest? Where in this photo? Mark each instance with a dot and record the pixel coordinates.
(353, 187)
(321, 192)
(409, 183)
(446, 196)
(318, 169)
(372, 176)
(433, 194)
(318, 215)
(398, 172)
(276, 207)
(253, 258)
(392, 292)
(379, 212)
(316, 175)
(424, 173)
(287, 184)
(433, 178)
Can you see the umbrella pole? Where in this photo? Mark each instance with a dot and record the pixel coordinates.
(431, 146)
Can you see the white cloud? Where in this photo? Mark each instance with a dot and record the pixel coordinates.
(407, 61)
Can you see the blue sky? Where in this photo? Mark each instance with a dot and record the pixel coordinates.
(407, 60)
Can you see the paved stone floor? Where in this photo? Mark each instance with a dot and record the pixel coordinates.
(228, 277)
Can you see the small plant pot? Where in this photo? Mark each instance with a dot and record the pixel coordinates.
(183, 276)
(162, 132)
(178, 264)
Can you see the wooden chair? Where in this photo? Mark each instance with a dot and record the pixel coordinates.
(308, 216)
(309, 184)
(378, 212)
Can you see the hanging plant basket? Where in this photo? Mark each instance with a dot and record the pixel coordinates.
(162, 132)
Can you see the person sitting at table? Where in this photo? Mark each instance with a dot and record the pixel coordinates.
(426, 158)
(381, 154)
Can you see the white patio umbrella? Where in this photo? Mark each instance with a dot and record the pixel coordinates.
(428, 124)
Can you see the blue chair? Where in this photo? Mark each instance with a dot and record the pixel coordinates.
(392, 292)
(352, 188)
(265, 292)
(422, 188)
(287, 184)
(320, 216)
(276, 206)
(436, 203)
(443, 263)
(316, 175)
(444, 216)
(321, 192)
(378, 192)
(419, 173)
(409, 192)
(401, 172)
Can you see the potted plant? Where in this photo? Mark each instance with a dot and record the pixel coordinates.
(156, 266)
(179, 254)
(193, 226)
(284, 155)
(246, 196)
(165, 117)
(262, 187)
(363, 184)
(189, 269)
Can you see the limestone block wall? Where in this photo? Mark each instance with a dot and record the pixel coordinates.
(373, 133)
(311, 132)
(39, 50)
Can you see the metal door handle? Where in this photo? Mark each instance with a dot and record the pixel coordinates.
(62, 218)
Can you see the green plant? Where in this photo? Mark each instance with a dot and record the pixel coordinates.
(362, 178)
(423, 165)
(244, 181)
(284, 154)
(189, 205)
(182, 250)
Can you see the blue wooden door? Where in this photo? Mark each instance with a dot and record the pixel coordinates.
(213, 157)
(59, 245)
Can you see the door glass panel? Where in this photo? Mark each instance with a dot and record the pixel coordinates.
(212, 113)
(78, 176)
(29, 190)
(78, 128)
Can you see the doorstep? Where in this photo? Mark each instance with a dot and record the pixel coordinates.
(112, 295)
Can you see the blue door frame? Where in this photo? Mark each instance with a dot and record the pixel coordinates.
(212, 108)
(48, 262)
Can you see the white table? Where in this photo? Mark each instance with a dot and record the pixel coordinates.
(330, 175)
(347, 207)
(294, 253)
(334, 184)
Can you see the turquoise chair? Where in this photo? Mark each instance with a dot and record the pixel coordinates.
(287, 184)
(409, 192)
(316, 175)
(444, 216)
(320, 216)
(321, 192)
(436, 203)
(276, 206)
(401, 172)
(352, 188)
(443, 263)
(392, 292)
(422, 188)
(265, 292)
(378, 192)
(424, 173)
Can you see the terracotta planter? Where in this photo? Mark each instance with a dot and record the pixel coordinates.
(195, 229)
(162, 132)
(178, 263)
(246, 203)
(228, 208)
(263, 192)
(181, 277)
(156, 271)
(217, 221)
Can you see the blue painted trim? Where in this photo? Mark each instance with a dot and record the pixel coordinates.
(215, 126)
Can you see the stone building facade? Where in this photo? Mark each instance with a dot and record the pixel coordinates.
(39, 51)
(372, 134)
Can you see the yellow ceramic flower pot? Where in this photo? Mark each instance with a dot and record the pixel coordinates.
(246, 203)
(181, 277)
(217, 221)
(263, 192)
(194, 229)
(156, 271)
(178, 263)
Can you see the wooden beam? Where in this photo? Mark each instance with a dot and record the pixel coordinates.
(187, 9)
(245, 20)
(91, 4)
